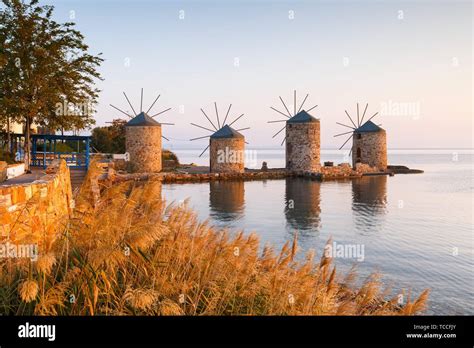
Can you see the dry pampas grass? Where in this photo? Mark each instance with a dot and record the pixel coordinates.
(129, 255)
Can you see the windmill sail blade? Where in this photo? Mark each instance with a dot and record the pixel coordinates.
(301, 106)
(209, 119)
(161, 112)
(338, 135)
(271, 107)
(202, 153)
(235, 120)
(227, 114)
(350, 118)
(294, 102)
(358, 120)
(283, 141)
(372, 116)
(153, 103)
(242, 129)
(312, 108)
(362, 119)
(346, 142)
(206, 136)
(196, 125)
(130, 104)
(341, 124)
(141, 101)
(217, 116)
(123, 112)
(167, 124)
(278, 132)
(276, 121)
(165, 137)
(288, 111)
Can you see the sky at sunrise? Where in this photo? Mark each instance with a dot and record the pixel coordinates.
(411, 61)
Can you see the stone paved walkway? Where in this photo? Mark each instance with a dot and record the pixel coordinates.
(36, 173)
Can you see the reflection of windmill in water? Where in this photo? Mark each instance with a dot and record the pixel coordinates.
(226, 144)
(227, 199)
(303, 204)
(143, 137)
(302, 137)
(369, 141)
(369, 200)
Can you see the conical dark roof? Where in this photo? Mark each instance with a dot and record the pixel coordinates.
(302, 117)
(226, 132)
(368, 126)
(142, 120)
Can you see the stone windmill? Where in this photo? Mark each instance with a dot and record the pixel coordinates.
(226, 144)
(143, 137)
(369, 141)
(302, 137)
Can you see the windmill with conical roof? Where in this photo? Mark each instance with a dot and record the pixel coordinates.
(226, 144)
(369, 141)
(302, 137)
(143, 137)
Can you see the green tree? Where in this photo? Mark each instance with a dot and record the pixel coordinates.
(47, 74)
(110, 139)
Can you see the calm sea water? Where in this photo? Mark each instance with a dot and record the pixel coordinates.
(416, 230)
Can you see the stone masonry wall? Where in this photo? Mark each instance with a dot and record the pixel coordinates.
(303, 147)
(373, 149)
(144, 146)
(227, 155)
(37, 212)
(3, 171)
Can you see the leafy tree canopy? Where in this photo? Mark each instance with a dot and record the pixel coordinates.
(46, 73)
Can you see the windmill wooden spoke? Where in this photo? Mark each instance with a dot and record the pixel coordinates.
(345, 142)
(134, 112)
(123, 112)
(288, 111)
(209, 119)
(372, 116)
(350, 118)
(358, 120)
(196, 125)
(362, 119)
(341, 124)
(141, 101)
(202, 153)
(206, 136)
(217, 116)
(165, 137)
(283, 141)
(153, 103)
(279, 132)
(276, 121)
(312, 108)
(301, 106)
(227, 114)
(242, 129)
(338, 135)
(271, 107)
(246, 142)
(161, 112)
(167, 124)
(294, 102)
(236, 120)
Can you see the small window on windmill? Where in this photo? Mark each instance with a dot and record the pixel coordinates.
(359, 136)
